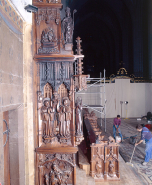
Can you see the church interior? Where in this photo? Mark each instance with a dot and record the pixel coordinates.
(67, 69)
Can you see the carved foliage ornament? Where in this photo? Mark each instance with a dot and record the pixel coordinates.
(48, 14)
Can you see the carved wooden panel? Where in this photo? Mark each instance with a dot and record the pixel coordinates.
(54, 114)
(55, 73)
(112, 162)
(56, 168)
(48, 34)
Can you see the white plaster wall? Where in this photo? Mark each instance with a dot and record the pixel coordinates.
(138, 96)
(19, 7)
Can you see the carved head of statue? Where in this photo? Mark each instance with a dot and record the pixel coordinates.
(68, 13)
(66, 101)
(46, 103)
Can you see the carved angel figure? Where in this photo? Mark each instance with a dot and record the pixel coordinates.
(67, 26)
(78, 112)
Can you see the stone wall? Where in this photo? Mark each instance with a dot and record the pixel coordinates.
(16, 96)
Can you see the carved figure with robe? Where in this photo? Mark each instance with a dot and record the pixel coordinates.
(67, 26)
(98, 169)
(45, 118)
(51, 111)
(62, 123)
(55, 104)
(67, 111)
(78, 112)
(111, 168)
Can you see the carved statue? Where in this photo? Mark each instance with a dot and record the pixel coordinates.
(62, 123)
(55, 100)
(78, 112)
(111, 168)
(67, 111)
(47, 179)
(45, 117)
(51, 111)
(67, 26)
(98, 169)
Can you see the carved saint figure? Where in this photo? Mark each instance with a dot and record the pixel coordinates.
(45, 117)
(62, 123)
(67, 111)
(78, 112)
(111, 168)
(67, 26)
(98, 167)
(51, 111)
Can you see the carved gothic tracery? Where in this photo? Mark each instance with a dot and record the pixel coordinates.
(48, 14)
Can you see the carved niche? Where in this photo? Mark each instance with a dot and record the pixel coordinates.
(54, 116)
(55, 169)
(48, 42)
(111, 162)
(97, 164)
(48, 33)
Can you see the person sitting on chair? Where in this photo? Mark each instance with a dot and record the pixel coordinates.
(147, 136)
(116, 127)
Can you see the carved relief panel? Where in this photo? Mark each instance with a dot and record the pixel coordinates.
(48, 32)
(54, 113)
(111, 162)
(56, 168)
(55, 73)
(97, 164)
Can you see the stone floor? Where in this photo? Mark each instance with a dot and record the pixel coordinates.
(139, 174)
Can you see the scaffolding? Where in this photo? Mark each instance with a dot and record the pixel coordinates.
(101, 107)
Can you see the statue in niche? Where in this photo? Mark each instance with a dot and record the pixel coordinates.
(47, 179)
(62, 123)
(45, 118)
(78, 112)
(111, 168)
(98, 168)
(51, 111)
(68, 26)
(55, 104)
(67, 111)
